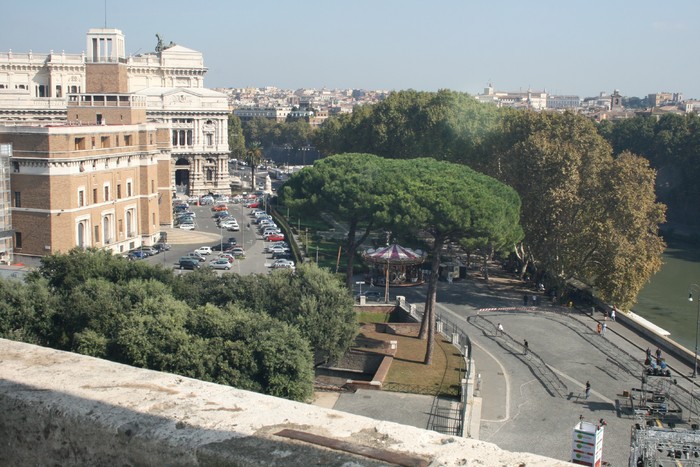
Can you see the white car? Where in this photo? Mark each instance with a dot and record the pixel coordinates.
(278, 249)
(221, 263)
(187, 226)
(283, 264)
(203, 250)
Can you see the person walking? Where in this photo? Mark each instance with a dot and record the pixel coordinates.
(526, 346)
(658, 353)
(500, 329)
(599, 328)
(605, 326)
(588, 389)
(612, 313)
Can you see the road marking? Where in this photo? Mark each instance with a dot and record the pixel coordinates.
(580, 384)
(503, 370)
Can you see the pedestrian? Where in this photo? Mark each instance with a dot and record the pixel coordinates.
(599, 328)
(648, 354)
(605, 326)
(534, 300)
(449, 278)
(526, 346)
(612, 313)
(588, 389)
(658, 353)
(500, 328)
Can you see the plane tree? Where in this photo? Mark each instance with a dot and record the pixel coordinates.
(574, 222)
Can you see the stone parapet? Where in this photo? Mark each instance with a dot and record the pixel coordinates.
(68, 409)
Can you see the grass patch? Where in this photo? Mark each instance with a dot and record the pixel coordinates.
(409, 374)
(369, 317)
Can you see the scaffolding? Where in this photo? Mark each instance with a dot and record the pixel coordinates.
(661, 447)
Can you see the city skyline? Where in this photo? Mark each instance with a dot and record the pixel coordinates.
(560, 47)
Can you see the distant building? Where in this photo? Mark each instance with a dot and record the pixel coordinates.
(278, 114)
(536, 100)
(563, 102)
(664, 98)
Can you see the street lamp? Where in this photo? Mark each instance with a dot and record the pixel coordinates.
(697, 326)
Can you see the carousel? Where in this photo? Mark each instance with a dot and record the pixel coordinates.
(394, 265)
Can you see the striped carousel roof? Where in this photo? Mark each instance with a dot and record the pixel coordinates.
(394, 254)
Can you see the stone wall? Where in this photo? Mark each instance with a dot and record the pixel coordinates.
(65, 409)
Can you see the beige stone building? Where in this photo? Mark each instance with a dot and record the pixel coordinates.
(36, 88)
(87, 182)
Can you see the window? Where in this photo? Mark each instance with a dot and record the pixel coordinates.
(93, 142)
(58, 90)
(79, 143)
(99, 119)
(97, 233)
(94, 196)
(128, 189)
(15, 166)
(18, 200)
(119, 191)
(81, 198)
(18, 239)
(210, 139)
(81, 234)
(127, 140)
(210, 175)
(106, 192)
(104, 141)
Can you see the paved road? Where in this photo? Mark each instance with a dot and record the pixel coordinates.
(531, 402)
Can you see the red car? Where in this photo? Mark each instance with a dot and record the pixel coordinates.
(275, 238)
(252, 205)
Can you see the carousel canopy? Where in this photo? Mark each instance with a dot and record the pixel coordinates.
(394, 254)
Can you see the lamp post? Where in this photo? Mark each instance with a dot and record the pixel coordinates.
(697, 326)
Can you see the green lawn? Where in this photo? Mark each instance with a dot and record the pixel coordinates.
(408, 373)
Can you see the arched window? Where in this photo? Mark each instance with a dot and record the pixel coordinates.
(106, 230)
(210, 175)
(129, 223)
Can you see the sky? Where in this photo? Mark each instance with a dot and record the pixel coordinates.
(580, 47)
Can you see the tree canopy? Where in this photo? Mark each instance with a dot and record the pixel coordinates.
(445, 125)
(254, 332)
(574, 221)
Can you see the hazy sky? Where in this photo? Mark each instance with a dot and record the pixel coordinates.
(564, 46)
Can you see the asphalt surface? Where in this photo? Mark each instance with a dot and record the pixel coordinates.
(207, 233)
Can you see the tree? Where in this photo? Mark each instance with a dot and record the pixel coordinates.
(236, 140)
(452, 202)
(445, 125)
(353, 188)
(560, 166)
(254, 155)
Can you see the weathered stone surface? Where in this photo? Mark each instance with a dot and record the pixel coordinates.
(64, 409)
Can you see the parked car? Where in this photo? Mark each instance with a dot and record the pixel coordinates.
(187, 226)
(221, 263)
(252, 205)
(238, 251)
(278, 249)
(227, 256)
(203, 250)
(232, 241)
(162, 246)
(220, 207)
(188, 263)
(275, 237)
(196, 256)
(283, 264)
(150, 251)
(137, 254)
(222, 247)
(282, 255)
(221, 214)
